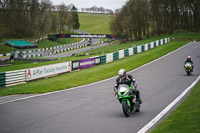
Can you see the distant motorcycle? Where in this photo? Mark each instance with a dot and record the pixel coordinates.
(128, 100)
(188, 68)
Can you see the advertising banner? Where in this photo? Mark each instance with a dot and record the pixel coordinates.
(44, 71)
(97, 60)
(86, 63)
(75, 65)
(54, 36)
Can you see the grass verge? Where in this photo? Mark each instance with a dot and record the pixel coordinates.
(94, 23)
(89, 75)
(186, 118)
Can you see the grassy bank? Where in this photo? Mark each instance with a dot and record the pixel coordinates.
(86, 76)
(94, 23)
(186, 118)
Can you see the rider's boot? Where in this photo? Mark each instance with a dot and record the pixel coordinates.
(139, 100)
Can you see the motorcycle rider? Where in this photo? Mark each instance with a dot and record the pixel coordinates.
(128, 80)
(190, 61)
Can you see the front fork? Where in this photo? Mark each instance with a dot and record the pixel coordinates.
(128, 102)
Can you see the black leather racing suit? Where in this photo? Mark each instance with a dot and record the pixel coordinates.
(130, 81)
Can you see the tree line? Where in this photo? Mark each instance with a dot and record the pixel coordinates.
(35, 18)
(144, 18)
(96, 9)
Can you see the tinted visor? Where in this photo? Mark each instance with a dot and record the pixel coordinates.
(122, 76)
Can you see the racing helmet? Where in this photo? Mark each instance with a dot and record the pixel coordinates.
(122, 73)
(188, 58)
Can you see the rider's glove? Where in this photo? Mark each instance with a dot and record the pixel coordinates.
(115, 90)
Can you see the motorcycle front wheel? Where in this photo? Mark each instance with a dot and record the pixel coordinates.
(188, 73)
(126, 108)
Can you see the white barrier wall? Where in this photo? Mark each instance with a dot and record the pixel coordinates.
(157, 43)
(121, 54)
(152, 44)
(109, 57)
(145, 47)
(166, 40)
(44, 71)
(139, 49)
(130, 51)
(161, 42)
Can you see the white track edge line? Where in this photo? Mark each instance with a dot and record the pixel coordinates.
(164, 111)
(48, 93)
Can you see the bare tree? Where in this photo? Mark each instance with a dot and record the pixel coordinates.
(63, 15)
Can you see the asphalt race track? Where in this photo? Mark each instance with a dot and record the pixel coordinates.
(95, 109)
(70, 53)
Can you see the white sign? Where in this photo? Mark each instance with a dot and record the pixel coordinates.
(43, 71)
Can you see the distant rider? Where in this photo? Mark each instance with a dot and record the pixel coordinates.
(190, 61)
(128, 80)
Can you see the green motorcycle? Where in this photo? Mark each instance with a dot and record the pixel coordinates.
(128, 100)
(188, 68)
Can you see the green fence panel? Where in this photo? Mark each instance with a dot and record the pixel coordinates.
(116, 56)
(149, 46)
(126, 53)
(143, 49)
(135, 50)
(154, 44)
(163, 41)
(159, 42)
(103, 59)
(2, 74)
(2, 79)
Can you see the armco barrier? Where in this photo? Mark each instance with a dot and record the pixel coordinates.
(15, 77)
(22, 76)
